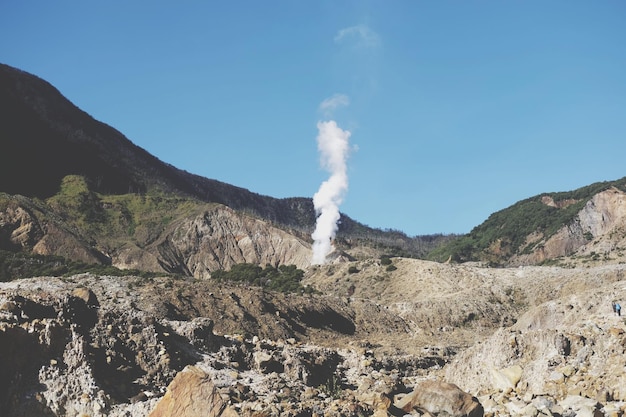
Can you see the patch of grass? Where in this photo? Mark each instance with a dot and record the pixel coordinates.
(110, 219)
(332, 387)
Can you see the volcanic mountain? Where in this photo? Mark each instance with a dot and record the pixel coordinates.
(78, 188)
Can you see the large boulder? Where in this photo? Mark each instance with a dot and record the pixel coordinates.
(436, 397)
(192, 394)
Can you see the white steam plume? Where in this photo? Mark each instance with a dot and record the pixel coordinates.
(334, 102)
(359, 35)
(333, 145)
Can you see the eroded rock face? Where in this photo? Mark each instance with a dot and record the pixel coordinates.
(195, 246)
(220, 238)
(22, 228)
(19, 227)
(600, 227)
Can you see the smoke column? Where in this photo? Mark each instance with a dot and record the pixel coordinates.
(333, 145)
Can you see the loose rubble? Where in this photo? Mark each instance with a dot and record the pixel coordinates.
(100, 346)
(71, 349)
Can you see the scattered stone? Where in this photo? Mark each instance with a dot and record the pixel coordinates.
(89, 346)
(580, 406)
(506, 378)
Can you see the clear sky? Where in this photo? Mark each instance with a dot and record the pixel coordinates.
(456, 109)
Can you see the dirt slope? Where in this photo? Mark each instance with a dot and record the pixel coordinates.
(456, 305)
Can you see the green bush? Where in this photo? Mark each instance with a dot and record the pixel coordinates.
(385, 260)
(285, 278)
(353, 270)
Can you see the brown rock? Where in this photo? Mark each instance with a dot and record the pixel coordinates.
(9, 307)
(86, 295)
(437, 397)
(192, 394)
(376, 400)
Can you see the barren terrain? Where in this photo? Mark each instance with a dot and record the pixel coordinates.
(110, 346)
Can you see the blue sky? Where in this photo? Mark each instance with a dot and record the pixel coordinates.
(456, 109)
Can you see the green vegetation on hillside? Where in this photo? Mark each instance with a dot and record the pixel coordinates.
(285, 278)
(140, 218)
(511, 227)
(387, 241)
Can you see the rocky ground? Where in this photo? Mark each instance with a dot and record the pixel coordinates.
(414, 338)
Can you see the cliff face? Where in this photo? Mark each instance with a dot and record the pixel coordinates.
(604, 217)
(597, 231)
(30, 227)
(220, 238)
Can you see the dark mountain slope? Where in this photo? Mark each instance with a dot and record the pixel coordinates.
(45, 137)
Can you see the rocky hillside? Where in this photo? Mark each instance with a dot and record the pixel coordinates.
(581, 226)
(597, 231)
(454, 304)
(91, 195)
(200, 239)
(376, 340)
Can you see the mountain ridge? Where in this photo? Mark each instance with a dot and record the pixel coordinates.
(28, 100)
(32, 109)
(47, 140)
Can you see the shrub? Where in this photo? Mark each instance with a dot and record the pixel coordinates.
(285, 278)
(332, 387)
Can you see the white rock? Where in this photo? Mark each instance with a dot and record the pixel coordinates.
(506, 378)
